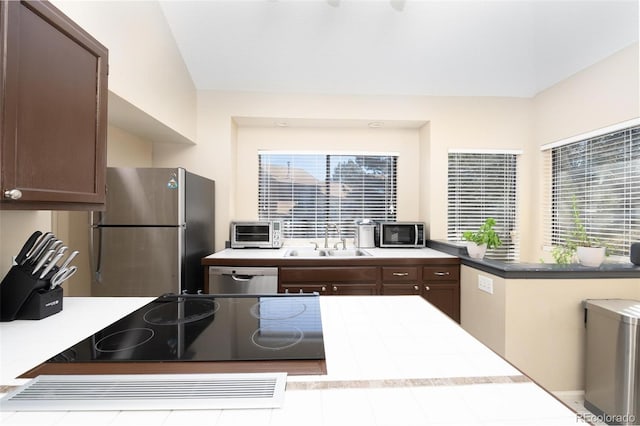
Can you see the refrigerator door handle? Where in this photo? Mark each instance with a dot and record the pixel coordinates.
(95, 253)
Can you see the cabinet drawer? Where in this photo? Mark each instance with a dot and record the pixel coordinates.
(441, 273)
(400, 289)
(366, 274)
(399, 273)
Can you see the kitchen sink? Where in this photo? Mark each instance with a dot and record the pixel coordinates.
(347, 253)
(309, 252)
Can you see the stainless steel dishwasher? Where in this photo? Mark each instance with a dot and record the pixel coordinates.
(242, 280)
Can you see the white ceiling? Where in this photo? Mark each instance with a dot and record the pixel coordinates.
(440, 48)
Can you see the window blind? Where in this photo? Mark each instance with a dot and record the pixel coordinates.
(602, 175)
(310, 191)
(482, 185)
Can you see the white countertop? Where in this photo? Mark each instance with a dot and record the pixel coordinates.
(419, 253)
(391, 360)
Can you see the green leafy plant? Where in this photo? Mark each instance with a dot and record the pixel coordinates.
(484, 235)
(564, 253)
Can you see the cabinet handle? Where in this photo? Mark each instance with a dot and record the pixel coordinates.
(441, 274)
(400, 274)
(324, 289)
(335, 288)
(286, 290)
(13, 194)
(416, 288)
(426, 287)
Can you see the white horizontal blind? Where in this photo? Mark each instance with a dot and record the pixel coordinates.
(309, 191)
(602, 175)
(483, 185)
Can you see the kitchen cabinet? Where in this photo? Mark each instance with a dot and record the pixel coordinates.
(54, 110)
(400, 280)
(329, 280)
(439, 284)
(435, 278)
(441, 287)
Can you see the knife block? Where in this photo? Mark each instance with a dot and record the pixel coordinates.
(24, 296)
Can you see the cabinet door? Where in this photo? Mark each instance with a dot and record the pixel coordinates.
(400, 280)
(441, 287)
(54, 110)
(323, 290)
(400, 289)
(444, 296)
(354, 289)
(329, 280)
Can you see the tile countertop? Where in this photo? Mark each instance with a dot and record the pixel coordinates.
(418, 368)
(375, 252)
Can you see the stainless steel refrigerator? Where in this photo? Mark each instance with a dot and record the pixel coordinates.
(157, 226)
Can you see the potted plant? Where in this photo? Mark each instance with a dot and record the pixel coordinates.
(482, 239)
(590, 251)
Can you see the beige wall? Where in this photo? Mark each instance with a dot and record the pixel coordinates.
(145, 67)
(537, 324)
(545, 332)
(15, 228)
(489, 123)
(599, 96)
(483, 314)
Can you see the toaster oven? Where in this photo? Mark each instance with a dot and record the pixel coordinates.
(259, 234)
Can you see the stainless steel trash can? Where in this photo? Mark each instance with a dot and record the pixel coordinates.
(612, 373)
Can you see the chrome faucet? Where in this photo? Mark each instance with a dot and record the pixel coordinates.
(326, 233)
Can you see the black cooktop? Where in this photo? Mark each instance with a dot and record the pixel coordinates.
(209, 328)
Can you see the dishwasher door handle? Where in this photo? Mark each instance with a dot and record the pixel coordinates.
(241, 278)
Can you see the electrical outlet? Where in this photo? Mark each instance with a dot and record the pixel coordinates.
(485, 284)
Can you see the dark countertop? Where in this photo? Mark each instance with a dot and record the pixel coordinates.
(537, 270)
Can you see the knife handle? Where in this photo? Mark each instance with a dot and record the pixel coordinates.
(28, 245)
(42, 261)
(51, 264)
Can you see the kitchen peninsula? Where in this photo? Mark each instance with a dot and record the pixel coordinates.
(532, 313)
(390, 360)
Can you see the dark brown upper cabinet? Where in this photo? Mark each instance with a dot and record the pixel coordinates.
(53, 120)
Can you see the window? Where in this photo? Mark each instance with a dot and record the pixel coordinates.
(601, 174)
(482, 185)
(309, 191)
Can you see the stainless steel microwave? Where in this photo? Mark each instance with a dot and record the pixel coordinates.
(260, 234)
(400, 234)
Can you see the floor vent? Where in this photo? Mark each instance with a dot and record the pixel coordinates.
(148, 392)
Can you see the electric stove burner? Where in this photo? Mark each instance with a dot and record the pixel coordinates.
(273, 309)
(208, 328)
(181, 311)
(124, 340)
(277, 338)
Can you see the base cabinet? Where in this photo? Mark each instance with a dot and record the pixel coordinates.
(329, 281)
(441, 287)
(439, 284)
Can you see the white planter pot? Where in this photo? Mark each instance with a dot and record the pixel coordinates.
(476, 251)
(591, 256)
